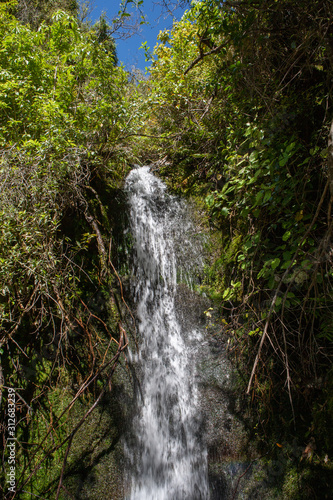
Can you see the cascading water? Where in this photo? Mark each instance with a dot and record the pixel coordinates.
(167, 458)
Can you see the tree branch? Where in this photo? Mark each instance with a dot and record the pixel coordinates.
(215, 50)
(330, 159)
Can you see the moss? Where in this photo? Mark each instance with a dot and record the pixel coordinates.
(291, 485)
(96, 462)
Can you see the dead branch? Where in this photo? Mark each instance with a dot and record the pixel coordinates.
(2, 381)
(26, 309)
(243, 474)
(330, 159)
(91, 315)
(207, 107)
(17, 395)
(64, 465)
(100, 242)
(90, 188)
(173, 136)
(121, 293)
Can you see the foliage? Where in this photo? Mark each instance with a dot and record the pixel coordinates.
(34, 12)
(63, 106)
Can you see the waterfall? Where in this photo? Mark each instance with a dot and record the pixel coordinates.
(168, 459)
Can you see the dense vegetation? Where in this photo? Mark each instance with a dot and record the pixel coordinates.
(236, 113)
(243, 92)
(63, 106)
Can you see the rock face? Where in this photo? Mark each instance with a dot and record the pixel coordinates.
(98, 468)
(221, 413)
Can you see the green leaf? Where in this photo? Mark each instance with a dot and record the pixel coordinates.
(267, 196)
(210, 200)
(253, 156)
(284, 160)
(258, 198)
(286, 235)
(257, 331)
(278, 301)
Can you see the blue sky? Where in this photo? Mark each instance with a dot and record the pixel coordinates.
(128, 50)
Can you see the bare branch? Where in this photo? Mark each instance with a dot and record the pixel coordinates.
(202, 55)
(330, 159)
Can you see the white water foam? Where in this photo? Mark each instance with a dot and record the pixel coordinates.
(168, 460)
